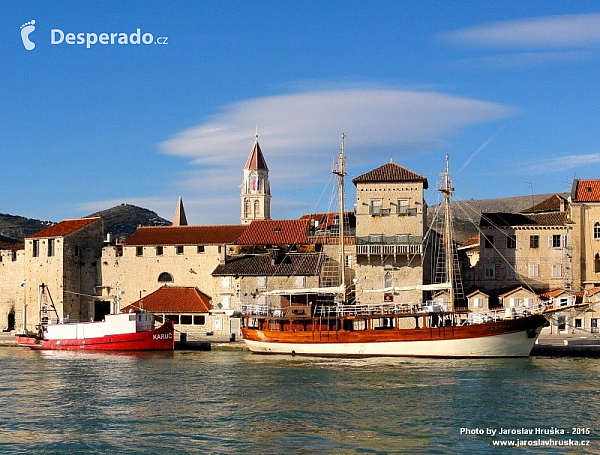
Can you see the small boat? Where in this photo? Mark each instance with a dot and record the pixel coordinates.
(344, 328)
(117, 332)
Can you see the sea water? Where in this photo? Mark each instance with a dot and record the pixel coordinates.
(236, 402)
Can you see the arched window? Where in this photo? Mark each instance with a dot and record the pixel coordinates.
(165, 278)
(247, 208)
(597, 230)
(597, 263)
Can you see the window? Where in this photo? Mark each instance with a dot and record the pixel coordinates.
(165, 277)
(200, 249)
(511, 241)
(199, 319)
(534, 241)
(478, 302)
(348, 261)
(36, 248)
(226, 282)
(510, 272)
(159, 250)
(186, 319)
(594, 325)
(578, 323)
(597, 230)
(489, 241)
(139, 250)
(179, 249)
(514, 302)
(557, 270)
(300, 280)
(172, 317)
(50, 247)
(261, 282)
(375, 207)
(534, 270)
(597, 263)
(490, 271)
(554, 241)
(403, 207)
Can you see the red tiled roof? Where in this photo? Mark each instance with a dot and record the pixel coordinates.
(554, 203)
(293, 264)
(256, 160)
(553, 293)
(275, 232)
(185, 235)
(586, 191)
(390, 172)
(64, 228)
(499, 219)
(471, 241)
(173, 300)
(327, 220)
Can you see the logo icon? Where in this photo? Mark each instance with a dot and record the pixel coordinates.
(26, 29)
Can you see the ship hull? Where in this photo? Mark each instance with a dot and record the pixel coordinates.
(508, 338)
(160, 339)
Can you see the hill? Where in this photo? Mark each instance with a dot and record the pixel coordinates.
(120, 221)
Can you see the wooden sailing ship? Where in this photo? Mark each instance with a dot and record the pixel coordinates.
(340, 328)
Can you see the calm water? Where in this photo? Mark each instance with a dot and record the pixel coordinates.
(236, 402)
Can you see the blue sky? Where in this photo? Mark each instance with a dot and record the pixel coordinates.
(511, 90)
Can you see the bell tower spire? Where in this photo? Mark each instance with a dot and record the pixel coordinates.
(255, 188)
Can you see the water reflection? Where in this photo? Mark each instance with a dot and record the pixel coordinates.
(235, 402)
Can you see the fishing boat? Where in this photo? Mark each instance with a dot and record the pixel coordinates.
(345, 328)
(117, 332)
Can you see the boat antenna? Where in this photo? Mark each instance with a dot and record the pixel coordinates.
(340, 171)
(448, 240)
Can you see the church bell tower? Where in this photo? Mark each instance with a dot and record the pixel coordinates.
(256, 191)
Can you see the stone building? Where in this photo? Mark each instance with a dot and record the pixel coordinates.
(390, 225)
(533, 248)
(61, 272)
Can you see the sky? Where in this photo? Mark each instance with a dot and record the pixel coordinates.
(509, 89)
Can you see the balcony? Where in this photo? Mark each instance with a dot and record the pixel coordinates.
(389, 245)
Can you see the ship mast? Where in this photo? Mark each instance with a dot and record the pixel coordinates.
(448, 236)
(340, 171)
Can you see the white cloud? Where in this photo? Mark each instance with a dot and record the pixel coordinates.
(573, 30)
(502, 61)
(563, 163)
(300, 136)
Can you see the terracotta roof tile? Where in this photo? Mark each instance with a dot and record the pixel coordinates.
(390, 172)
(185, 235)
(169, 299)
(500, 219)
(64, 228)
(586, 191)
(256, 160)
(293, 264)
(275, 232)
(554, 203)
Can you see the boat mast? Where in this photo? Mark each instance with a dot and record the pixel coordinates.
(448, 237)
(340, 171)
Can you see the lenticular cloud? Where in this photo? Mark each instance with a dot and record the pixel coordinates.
(310, 123)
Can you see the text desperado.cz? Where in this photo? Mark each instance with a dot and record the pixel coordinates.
(57, 36)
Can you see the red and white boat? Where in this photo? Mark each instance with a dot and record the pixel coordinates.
(117, 332)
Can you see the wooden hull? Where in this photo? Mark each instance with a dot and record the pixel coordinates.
(160, 339)
(506, 338)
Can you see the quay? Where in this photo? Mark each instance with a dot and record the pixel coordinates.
(547, 345)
